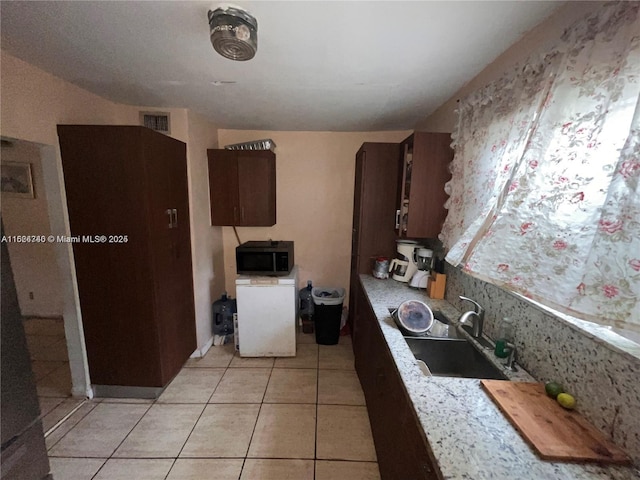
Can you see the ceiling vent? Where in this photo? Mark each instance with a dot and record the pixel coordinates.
(158, 121)
(234, 33)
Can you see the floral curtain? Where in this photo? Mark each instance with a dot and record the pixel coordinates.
(544, 195)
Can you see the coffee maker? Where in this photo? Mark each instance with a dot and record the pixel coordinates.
(424, 260)
(404, 266)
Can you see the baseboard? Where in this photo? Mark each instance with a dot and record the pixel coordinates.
(201, 352)
(82, 392)
(117, 391)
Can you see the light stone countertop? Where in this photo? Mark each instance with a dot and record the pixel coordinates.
(468, 435)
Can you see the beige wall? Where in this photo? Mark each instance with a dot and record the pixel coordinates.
(34, 263)
(206, 241)
(33, 103)
(314, 194)
(538, 40)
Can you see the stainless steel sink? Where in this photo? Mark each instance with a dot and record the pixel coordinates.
(453, 358)
(437, 314)
(441, 328)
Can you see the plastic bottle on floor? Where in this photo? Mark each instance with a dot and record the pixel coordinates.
(306, 307)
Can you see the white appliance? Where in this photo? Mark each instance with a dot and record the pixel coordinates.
(267, 313)
(405, 264)
(424, 259)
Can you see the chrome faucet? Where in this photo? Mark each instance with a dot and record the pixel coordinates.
(475, 318)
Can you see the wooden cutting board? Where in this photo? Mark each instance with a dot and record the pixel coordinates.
(555, 433)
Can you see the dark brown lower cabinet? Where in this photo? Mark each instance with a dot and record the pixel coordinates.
(401, 446)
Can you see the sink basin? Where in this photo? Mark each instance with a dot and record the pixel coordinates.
(441, 327)
(437, 314)
(453, 358)
(441, 317)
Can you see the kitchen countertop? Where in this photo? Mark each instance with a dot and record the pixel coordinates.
(469, 437)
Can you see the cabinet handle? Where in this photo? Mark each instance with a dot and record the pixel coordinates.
(242, 214)
(175, 218)
(235, 214)
(397, 218)
(169, 212)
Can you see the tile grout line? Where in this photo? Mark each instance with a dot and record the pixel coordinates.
(63, 419)
(217, 384)
(171, 468)
(155, 402)
(199, 416)
(255, 425)
(74, 426)
(51, 340)
(101, 467)
(126, 436)
(190, 433)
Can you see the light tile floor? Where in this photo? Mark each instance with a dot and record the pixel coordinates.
(50, 364)
(229, 418)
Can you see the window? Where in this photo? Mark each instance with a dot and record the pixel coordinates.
(544, 190)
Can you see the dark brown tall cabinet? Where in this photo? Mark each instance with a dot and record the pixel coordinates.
(376, 186)
(242, 187)
(136, 286)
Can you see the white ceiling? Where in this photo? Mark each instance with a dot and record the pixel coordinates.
(334, 66)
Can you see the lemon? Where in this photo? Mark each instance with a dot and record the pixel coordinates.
(553, 389)
(567, 401)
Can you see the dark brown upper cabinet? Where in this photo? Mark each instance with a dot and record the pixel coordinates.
(242, 187)
(424, 169)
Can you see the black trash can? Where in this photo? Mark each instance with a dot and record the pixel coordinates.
(327, 314)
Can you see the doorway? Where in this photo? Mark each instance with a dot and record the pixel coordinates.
(33, 213)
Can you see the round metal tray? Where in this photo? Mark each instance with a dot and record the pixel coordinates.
(414, 317)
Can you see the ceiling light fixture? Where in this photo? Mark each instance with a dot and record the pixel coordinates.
(234, 32)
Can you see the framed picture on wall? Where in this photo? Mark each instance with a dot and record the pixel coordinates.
(17, 180)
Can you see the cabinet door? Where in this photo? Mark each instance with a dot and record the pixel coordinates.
(223, 187)
(104, 183)
(430, 171)
(375, 195)
(353, 286)
(357, 203)
(375, 191)
(171, 246)
(418, 461)
(355, 237)
(362, 326)
(257, 188)
(242, 187)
